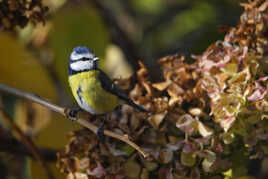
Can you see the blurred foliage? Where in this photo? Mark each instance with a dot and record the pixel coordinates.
(170, 33)
(22, 70)
(202, 112)
(148, 6)
(18, 13)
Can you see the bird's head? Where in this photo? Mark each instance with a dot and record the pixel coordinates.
(82, 59)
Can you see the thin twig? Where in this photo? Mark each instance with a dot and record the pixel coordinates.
(27, 141)
(64, 112)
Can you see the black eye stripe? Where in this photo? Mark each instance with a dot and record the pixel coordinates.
(84, 59)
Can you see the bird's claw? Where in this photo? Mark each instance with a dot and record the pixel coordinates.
(73, 113)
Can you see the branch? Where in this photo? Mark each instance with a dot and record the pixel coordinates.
(65, 112)
(27, 141)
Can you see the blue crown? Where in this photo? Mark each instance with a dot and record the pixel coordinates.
(82, 50)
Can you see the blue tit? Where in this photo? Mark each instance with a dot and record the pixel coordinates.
(93, 90)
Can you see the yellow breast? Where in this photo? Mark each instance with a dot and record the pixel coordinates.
(89, 93)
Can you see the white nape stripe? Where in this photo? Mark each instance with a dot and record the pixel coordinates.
(81, 65)
(76, 56)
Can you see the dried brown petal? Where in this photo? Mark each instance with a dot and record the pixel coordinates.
(226, 124)
(195, 111)
(165, 156)
(77, 175)
(98, 171)
(156, 119)
(150, 166)
(161, 86)
(204, 130)
(132, 169)
(165, 173)
(188, 159)
(187, 124)
(144, 174)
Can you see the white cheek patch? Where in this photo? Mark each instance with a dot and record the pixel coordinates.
(76, 56)
(81, 65)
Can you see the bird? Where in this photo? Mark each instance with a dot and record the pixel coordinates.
(93, 90)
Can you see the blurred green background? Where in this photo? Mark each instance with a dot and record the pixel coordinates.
(121, 32)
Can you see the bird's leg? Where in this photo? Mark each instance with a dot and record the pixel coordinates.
(117, 110)
(100, 131)
(73, 112)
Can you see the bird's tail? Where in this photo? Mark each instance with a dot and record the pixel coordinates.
(134, 105)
